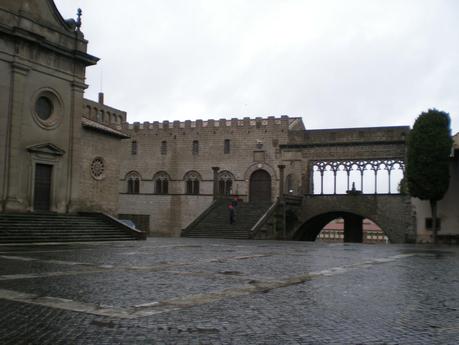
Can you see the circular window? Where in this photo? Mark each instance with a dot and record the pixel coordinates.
(44, 107)
(98, 168)
(47, 109)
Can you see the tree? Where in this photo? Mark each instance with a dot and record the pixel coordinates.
(427, 168)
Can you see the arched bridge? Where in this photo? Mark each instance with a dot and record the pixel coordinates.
(391, 212)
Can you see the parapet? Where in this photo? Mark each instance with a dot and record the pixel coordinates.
(270, 122)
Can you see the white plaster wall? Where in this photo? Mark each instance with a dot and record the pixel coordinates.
(448, 208)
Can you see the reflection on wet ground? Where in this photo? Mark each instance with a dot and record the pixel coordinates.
(190, 291)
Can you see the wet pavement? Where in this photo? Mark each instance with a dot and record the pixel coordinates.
(198, 291)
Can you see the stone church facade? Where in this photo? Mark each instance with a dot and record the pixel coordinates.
(54, 154)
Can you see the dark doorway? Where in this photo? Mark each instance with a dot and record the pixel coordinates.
(42, 190)
(260, 186)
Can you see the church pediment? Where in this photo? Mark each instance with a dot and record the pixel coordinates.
(42, 11)
(48, 149)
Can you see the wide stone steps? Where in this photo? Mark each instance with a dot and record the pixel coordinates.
(27, 228)
(216, 223)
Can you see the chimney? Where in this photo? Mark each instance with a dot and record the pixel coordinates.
(101, 98)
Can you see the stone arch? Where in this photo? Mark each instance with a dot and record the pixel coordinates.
(192, 174)
(133, 173)
(392, 213)
(257, 166)
(353, 226)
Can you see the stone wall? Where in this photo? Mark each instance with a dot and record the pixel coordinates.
(254, 144)
(100, 112)
(99, 193)
(392, 213)
(306, 147)
(5, 70)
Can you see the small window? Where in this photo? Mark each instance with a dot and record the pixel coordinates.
(163, 148)
(134, 147)
(195, 148)
(227, 146)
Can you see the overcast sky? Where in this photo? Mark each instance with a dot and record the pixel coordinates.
(336, 63)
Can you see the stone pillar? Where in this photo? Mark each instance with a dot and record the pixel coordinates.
(281, 181)
(73, 199)
(15, 174)
(215, 191)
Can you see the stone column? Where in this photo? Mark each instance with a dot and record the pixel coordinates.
(281, 181)
(215, 191)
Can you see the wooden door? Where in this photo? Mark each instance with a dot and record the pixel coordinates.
(260, 186)
(42, 189)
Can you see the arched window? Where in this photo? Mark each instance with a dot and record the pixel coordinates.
(225, 182)
(133, 182)
(192, 179)
(161, 183)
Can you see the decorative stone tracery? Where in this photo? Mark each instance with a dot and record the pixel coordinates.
(336, 166)
(98, 168)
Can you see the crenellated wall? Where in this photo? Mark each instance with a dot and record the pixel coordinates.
(254, 145)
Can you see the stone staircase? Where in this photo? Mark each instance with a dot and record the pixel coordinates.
(215, 221)
(34, 227)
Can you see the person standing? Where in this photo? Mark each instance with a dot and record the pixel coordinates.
(231, 213)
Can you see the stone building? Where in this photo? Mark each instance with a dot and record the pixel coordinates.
(62, 153)
(58, 151)
(167, 170)
(167, 174)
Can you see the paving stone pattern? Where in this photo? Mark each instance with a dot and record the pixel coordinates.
(203, 291)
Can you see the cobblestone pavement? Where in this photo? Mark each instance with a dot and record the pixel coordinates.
(191, 291)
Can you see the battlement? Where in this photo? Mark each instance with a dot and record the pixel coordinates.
(258, 122)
